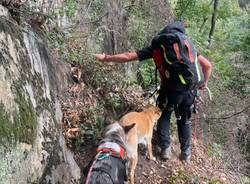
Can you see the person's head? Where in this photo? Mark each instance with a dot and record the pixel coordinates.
(184, 23)
(179, 25)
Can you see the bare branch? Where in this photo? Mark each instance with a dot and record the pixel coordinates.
(211, 33)
(232, 115)
(227, 116)
(203, 23)
(95, 21)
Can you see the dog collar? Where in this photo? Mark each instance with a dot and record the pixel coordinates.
(113, 147)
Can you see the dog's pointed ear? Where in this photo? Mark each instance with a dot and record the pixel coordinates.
(147, 106)
(158, 110)
(127, 128)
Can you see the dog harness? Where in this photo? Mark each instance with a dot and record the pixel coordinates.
(105, 150)
(113, 148)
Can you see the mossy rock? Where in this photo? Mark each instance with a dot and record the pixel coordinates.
(23, 126)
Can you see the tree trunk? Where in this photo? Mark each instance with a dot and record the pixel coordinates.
(116, 30)
(203, 24)
(213, 22)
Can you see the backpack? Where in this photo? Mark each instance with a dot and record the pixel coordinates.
(175, 57)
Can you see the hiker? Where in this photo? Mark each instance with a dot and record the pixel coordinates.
(171, 50)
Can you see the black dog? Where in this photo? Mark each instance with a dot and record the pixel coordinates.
(109, 165)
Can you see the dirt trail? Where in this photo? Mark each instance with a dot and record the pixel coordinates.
(204, 168)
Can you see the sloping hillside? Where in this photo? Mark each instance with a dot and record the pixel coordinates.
(84, 106)
(97, 94)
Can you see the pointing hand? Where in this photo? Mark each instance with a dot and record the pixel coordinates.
(100, 57)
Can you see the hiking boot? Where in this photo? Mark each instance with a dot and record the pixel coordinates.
(166, 153)
(185, 157)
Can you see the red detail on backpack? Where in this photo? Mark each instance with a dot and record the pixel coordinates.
(158, 62)
(177, 52)
(190, 53)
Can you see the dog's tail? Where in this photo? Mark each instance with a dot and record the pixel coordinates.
(128, 128)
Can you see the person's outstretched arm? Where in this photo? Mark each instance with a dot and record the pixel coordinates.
(206, 68)
(118, 58)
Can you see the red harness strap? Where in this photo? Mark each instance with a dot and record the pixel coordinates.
(117, 150)
(195, 128)
(86, 180)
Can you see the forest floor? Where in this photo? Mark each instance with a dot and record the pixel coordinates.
(206, 165)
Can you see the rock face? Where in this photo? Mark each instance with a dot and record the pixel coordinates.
(32, 148)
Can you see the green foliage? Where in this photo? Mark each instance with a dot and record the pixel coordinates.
(237, 37)
(97, 9)
(245, 180)
(214, 150)
(137, 32)
(235, 50)
(230, 51)
(5, 125)
(183, 177)
(92, 132)
(213, 181)
(61, 40)
(65, 41)
(55, 37)
(142, 27)
(185, 8)
(69, 8)
(147, 69)
(115, 104)
(193, 10)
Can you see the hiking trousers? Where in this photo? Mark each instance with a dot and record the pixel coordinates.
(167, 100)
